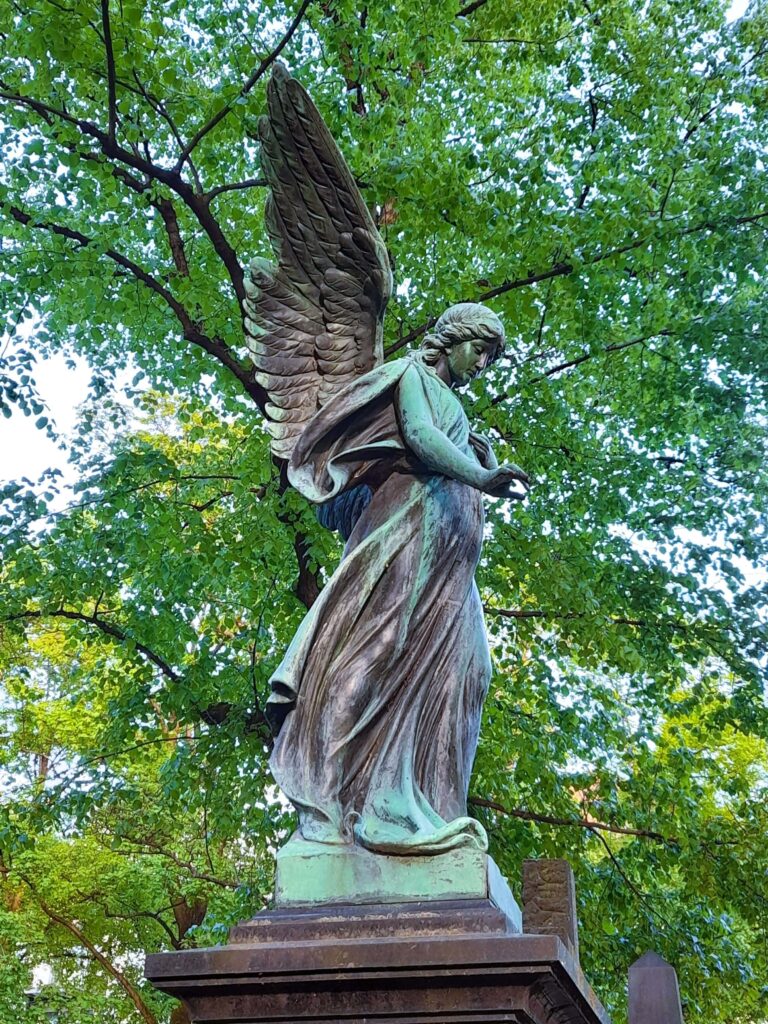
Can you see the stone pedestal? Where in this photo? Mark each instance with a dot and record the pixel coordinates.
(442, 961)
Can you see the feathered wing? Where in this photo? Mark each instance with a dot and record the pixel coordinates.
(313, 321)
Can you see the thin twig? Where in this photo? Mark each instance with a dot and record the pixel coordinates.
(245, 88)
(464, 12)
(564, 268)
(105, 627)
(549, 819)
(249, 183)
(159, 107)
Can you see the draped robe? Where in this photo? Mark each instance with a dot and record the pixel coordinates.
(378, 699)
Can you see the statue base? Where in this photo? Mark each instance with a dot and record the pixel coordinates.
(441, 961)
(316, 874)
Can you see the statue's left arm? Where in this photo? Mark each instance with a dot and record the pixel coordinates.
(437, 452)
(483, 449)
(433, 448)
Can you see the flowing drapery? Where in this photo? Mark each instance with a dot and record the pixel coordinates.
(379, 696)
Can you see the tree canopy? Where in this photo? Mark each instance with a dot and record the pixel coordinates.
(594, 171)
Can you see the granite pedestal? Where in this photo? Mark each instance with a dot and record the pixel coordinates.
(442, 961)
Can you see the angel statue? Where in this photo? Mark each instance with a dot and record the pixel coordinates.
(376, 705)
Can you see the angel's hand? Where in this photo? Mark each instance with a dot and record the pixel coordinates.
(500, 483)
(481, 446)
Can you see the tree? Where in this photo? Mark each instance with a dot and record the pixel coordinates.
(595, 173)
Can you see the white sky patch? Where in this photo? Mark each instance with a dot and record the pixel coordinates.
(26, 450)
(736, 10)
(42, 975)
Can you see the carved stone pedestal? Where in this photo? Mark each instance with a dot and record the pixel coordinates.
(442, 962)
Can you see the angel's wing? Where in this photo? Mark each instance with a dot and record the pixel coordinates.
(313, 322)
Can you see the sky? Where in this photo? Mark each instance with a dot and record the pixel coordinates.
(24, 449)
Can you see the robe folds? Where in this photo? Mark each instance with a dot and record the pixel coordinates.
(378, 699)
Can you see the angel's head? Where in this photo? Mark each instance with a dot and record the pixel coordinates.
(468, 337)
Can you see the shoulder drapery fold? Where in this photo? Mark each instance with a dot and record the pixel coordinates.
(351, 436)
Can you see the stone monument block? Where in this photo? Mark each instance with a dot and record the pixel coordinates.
(442, 961)
(654, 996)
(549, 901)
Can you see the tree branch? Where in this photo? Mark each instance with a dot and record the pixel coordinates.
(97, 955)
(522, 40)
(583, 358)
(107, 628)
(615, 861)
(164, 206)
(111, 87)
(167, 211)
(615, 347)
(616, 620)
(350, 72)
(159, 107)
(557, 270)
(107, 964)
(464, 12)
(172, 178)
(667, 194)
(694, 127)
(549, 819)
(308, 585)
(172, 937)
(237, 185)
(190, 329)
(564, 268)
(245, 88)
(148, 848)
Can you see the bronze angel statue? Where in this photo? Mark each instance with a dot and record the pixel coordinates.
(376, 705)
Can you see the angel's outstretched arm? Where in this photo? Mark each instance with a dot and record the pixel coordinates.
(427, 442)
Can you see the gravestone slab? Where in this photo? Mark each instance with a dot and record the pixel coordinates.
(654, 996)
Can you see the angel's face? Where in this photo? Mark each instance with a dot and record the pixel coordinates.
(469, 358)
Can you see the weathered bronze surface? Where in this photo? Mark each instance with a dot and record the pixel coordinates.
(376, 705)
(440, 962)
(321, 874)
(377, 702)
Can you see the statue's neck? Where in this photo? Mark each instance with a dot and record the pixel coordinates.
(440, 368)
(443, 371)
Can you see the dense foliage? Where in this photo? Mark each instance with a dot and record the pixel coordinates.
(592, 169)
